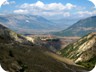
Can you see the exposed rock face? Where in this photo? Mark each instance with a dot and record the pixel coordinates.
(11, 36)
(83, 50)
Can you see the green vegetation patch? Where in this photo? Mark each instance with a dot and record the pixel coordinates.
(89, 64)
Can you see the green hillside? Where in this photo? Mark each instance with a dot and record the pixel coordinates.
(83, 51)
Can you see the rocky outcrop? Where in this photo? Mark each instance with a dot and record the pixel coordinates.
(11, 36)
(82, 51)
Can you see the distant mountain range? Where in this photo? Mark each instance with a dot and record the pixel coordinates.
(80, 28)
(27, 23)
(82, 52)
(64, 23)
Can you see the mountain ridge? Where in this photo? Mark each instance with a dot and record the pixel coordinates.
(83, 51)
(27, 23)
(11, 36)
(80, 28)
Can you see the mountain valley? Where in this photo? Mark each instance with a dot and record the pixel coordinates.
(18, 54)
(80, 28)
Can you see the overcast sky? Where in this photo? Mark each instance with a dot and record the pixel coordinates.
(49, 8)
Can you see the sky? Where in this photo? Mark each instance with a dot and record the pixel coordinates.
(50, 8)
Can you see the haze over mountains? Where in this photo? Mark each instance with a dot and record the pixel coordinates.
(27, 23)
(34, 24)
(64, 23)
(80, 28)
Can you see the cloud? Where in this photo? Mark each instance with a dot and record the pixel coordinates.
(51, 6)
(21, 11)
(70, 6)
(86, 13)
(94, 2)
(2, 2)
(6, 2)
(40, 8)
(11, 2)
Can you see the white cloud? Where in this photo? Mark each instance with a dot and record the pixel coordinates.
(70, 6)
(40, 8)
(20, 11)
(86, 13)
(39, 4)
(82, 13)
(51, 6)
(6, 2)
(94, 2)
(2, 2)
(54, 6)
